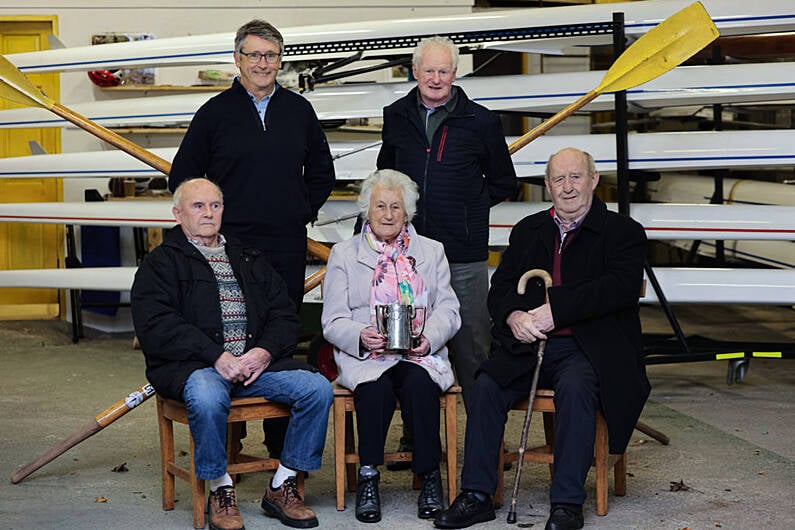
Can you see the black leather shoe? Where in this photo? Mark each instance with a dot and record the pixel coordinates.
(368, 501)
(467, 509)
(430, 502)
(565, 517)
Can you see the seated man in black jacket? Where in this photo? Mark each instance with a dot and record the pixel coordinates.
(593, 351)
(215, 322)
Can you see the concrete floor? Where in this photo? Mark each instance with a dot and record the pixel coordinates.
(731, 445)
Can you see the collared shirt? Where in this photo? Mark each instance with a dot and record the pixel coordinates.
(432, 117)
(564, 228)
(262, 105)
(198, 244)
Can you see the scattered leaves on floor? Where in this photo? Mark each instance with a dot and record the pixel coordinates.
(679, 486)
(100, 499)
(639, 441)
(182, 452)
(121, 468)
(718, 525)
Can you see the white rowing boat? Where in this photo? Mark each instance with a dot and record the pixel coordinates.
(543, 29)
(676, 151)
(688, 85)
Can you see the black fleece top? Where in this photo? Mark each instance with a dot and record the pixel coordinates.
(275, 175)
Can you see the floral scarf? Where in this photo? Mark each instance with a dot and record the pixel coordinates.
(395, 279)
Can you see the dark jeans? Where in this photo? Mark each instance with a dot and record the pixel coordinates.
(566, 370)
(375, 404)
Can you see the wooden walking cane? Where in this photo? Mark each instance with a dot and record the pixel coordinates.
(520, 289)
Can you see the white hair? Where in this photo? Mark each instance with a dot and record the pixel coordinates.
(391, 180)
(436, 40)
(177, 198)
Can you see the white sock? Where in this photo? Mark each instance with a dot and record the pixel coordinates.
(223, 480)
(282, 474)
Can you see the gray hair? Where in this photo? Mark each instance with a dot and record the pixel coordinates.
(177, 198)
(588, 160)
(436, 40)
(391, 180)
(258, 28)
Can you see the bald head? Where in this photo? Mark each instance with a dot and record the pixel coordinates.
(571, 179)
(198, 208)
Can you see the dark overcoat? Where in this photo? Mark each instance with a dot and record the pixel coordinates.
(602, 275)
(177, 313)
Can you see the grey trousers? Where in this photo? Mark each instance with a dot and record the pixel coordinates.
(472, 344)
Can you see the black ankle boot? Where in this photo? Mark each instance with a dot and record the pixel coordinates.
(430, 502)
(368, 502)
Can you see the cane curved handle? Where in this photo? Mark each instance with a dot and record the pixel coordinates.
(535, 273)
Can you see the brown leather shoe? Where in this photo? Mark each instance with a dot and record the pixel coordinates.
(286, 505)
(223, 510)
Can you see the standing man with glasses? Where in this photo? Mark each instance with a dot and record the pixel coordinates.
(264, 146)
(454, 149)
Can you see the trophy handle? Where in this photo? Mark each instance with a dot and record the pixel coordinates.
(381, 312)
(414, 311)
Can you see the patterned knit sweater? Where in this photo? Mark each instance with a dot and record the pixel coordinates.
(230, 296)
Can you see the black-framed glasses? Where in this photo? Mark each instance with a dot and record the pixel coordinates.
(256, 57)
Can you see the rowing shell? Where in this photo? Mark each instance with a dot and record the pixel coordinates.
(683, 86)
(678, 151)
(517, 29)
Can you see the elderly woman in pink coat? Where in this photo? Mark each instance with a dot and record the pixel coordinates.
(388, 262)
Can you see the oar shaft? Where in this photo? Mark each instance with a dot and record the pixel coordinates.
(116, 140)
(542, 128)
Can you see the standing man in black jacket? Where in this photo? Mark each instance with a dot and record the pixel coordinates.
(593, 357)
(264, 146)
(454, 149)
(215, 322)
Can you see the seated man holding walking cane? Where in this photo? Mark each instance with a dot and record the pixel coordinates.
(591, 326)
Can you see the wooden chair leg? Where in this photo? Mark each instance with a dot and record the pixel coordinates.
(549, 435)
(339, 451)
(601, 461)
(451, 441)
(620, 478)
(197, 490)
(166, 430)
(350, 449)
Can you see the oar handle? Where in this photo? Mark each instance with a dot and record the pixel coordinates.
(542, 128)
(116, 140)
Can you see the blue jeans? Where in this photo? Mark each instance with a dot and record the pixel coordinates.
(207, 398)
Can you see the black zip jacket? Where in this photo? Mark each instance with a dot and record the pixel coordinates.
(465, 171)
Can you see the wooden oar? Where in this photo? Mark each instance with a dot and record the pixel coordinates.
(15, 87)
(664, 47)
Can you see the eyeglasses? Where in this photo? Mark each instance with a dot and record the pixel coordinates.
(256, 57)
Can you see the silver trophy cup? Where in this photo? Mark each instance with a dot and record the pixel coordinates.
(396, 323)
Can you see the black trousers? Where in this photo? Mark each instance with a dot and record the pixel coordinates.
(291, 266)
(375, 404)
(566, 370)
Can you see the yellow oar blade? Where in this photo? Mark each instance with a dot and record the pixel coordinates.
(667, 45)
(14, 86)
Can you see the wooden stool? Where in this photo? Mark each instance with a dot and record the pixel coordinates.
(545, 453)
(346, 458)
(243, 409)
